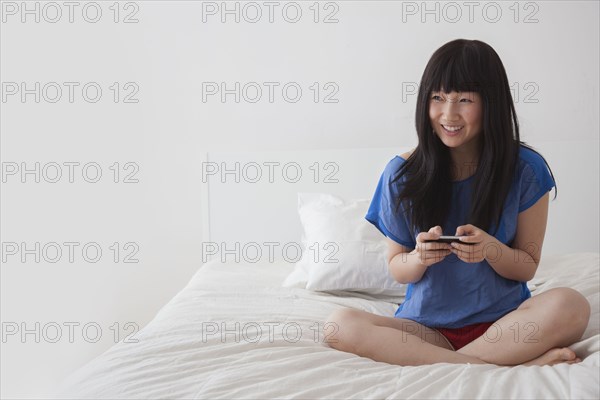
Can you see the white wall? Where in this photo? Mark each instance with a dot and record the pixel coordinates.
(372, 52)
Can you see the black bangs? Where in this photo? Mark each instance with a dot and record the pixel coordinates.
(457, 67)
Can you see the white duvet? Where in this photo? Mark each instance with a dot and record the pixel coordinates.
(276, 349)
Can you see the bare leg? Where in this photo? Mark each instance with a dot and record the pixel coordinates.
(537, 332)
(392, 340)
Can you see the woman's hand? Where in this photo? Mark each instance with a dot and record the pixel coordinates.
(431, 253)
(477, 244)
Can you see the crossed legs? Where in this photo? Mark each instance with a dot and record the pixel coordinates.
(536, 333)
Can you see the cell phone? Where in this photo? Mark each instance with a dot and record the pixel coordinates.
(447, 239)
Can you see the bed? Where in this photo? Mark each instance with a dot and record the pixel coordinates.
(240, 330)
(277, 351)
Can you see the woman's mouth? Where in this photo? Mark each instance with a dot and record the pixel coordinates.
(452, 130)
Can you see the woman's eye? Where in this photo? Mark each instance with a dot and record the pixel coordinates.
(436, 98)
(466, 100)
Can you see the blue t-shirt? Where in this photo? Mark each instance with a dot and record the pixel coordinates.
(453, 293)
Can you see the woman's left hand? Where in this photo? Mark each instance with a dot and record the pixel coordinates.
(476, 244)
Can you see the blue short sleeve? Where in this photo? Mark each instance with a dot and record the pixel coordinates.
(536, 179)
(382, 210)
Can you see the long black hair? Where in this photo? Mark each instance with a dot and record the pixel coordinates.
(462, 66)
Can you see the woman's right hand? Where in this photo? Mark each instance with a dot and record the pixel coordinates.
(431, 253)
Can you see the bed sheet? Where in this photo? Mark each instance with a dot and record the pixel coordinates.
(234, 332)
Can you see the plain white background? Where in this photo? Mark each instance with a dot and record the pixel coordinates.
(363, 64)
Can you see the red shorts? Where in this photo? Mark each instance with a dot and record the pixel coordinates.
(460, 337)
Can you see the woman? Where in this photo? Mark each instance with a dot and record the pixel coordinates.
(469, 176)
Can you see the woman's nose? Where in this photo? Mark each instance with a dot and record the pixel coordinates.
(450, 111)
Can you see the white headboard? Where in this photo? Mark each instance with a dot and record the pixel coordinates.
(252, 197)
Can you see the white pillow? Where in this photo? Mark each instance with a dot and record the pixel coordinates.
(342, 251)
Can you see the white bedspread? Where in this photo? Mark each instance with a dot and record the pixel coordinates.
(182, 354)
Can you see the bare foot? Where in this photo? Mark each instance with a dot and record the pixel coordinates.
(555, 356)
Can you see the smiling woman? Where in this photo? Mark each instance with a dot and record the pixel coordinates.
(459, 294)
(456, 119)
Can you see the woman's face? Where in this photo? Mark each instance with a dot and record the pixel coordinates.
(456, 118)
